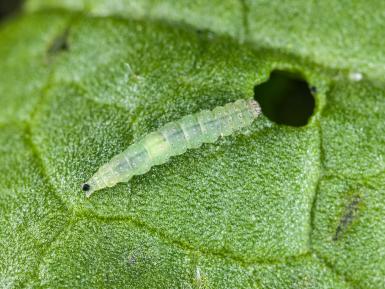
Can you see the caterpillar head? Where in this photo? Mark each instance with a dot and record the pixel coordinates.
(256, 108)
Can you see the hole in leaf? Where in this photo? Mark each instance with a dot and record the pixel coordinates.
(286, 98)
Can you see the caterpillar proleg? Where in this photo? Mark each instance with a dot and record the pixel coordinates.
(173, 139)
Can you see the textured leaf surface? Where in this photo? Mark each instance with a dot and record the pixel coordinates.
(272, 207)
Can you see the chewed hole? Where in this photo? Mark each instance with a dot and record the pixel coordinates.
(286, 98)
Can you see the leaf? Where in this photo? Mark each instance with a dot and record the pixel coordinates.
(274, 207)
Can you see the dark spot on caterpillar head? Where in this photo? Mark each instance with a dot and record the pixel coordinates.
(86, 187)
(347, 218)
(60, 43)
(285, 98)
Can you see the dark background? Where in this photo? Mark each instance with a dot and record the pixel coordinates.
(9, 8)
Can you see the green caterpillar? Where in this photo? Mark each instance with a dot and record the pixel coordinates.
(173, 139)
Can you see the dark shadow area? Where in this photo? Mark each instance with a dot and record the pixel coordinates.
(9, 7)
(350, 214)
(286, 98)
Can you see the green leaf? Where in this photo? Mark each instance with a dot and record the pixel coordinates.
(272, 207)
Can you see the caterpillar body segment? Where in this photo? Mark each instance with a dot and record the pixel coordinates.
(173, 139)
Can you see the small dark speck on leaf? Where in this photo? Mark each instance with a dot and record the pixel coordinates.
(313, 89)
(132, 260)
(59, 44)
(199, 31)
(347, 218)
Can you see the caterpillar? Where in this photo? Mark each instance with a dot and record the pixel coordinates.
(173, 139)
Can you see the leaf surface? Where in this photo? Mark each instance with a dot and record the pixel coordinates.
(271, 207)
